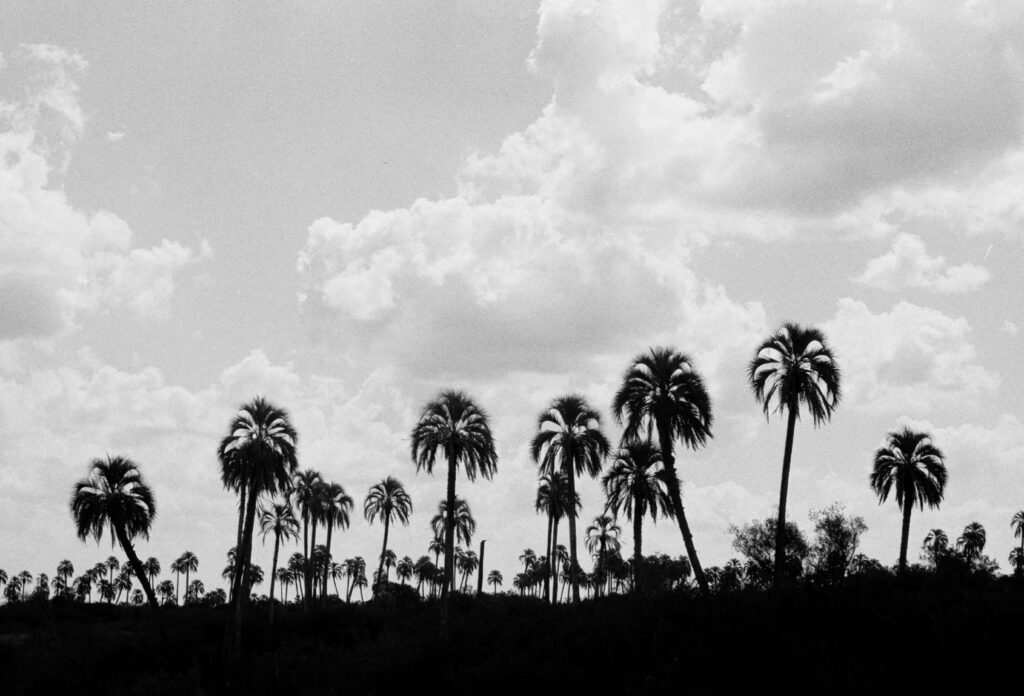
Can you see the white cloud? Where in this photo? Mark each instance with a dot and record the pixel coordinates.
(908, 265)
(115, 136)
(1010, 328)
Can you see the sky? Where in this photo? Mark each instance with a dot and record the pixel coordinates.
(348, 207)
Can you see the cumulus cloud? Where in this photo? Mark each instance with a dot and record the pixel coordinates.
(908, 265)
(58, 261)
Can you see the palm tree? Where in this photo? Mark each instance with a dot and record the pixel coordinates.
(386, 501)
(177, 569)
(603, 536)
(553, 498)
(189, 564)
(336, 513)
(972, 542)
(662, 392)
(194, 591)
(404, 569)
(137, 597)
(528, 558)
(465, 525)
(495, 580)
(457, 427)
(935, 544)
(152, 568)
(1017, 525)
(307, 495)
(24, 580)
(257, 457)
(112, 565)
(64, 570)
(635, 486)
(569, 440)
(166, 591)
(910, 462)
(279, 520)
(468, 565)
(793, 366)
(355, 569)
(114, 495)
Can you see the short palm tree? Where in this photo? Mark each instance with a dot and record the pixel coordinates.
(1017, 525)
(663, 394)
(495, 580)
(387, 501)
(65, 570)
(166, 591)
(635, 486)
(279, 520)
(307, 494)
(258, 458)
(465, 524)
(404, 569)
(972, 542)
(337, 513)
(189, 564)
(602, 538)
(553, 498)
(935, 544)
(793, 367)
(569, 440)
(114, 495)
(454, 425)
(916, 468)
(152, 568)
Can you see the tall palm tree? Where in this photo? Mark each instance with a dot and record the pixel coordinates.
(553, 498)
(662, 393)
(635, 485)
(454, 425)
(569, 440)
(386, 501)
(259, 455)
(24, 580)
(916, 468)
(465, 524)
(65, 570)
(972, 541)
(1017, 525)
(177, 569)
(279, 520)
(791, 367)
(495, 580)
(602, 537)
(113, 565)
(337, 513)
(189, 564)
(307, 495)
(114, 495)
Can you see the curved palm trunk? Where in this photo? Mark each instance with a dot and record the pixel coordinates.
(668, 461)
(383, 550)
(780, 527)
(242, 568)
(273, 575)
(638, 556)
(327, 565)
(554, 565)
(550, 553)
(133, 560)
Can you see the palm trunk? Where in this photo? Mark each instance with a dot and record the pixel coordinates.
(554, 554)
(310, 570)
(573, 576)
(177, 594)
(305, 558)
(187, 575)
(638, 556)
(242, 568)
(273, 575)
(238, 539)
(383, 550)
(668, 461)
(136, 565)
(780, 527)
(908, 505)
(327, 566)
(550, 553)
(449, 535)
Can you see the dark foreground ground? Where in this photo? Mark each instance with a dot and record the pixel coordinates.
(872, 638)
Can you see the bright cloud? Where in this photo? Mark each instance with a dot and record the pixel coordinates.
(908, 265)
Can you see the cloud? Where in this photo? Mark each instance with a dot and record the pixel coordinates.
(58, 261)
(911, 358)
(114, 136)
(1010, 328)
(908, 265)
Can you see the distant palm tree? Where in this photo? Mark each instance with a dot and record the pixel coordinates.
(177, 569)
(972, 542)
(465, 525)
(793, 366)
(336, 514)
(137, 597)
(528, 558)
(1017, 525)
(569, 440)
(916, 468)
(189, 564)
(468, 565)
(635, 485)
(166, 591)
(454, 425)
(495, 580)
(335, 572)
(602, 537)
(935, 544)
(279, 520)
(257, 457)
(404, 569)
(152, 568)
(114, 495)
(386, 501)
(307, 495)
(553, 498)
(662, 393)
(423, 569)
(24, 580)
(355, 569)
(194, 591)
(64, 570)
(113, 565)
(124, 583)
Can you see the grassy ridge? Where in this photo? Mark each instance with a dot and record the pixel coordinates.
(873, 637)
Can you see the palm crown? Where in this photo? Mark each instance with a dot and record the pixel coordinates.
(635, 485)
(795, 366)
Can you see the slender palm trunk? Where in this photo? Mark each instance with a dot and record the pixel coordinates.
(305, 558)
(780, 527)
(550, 554)
(243, 490)
(554, 566)
(449, 533)
(908, 505)
(311, 572)
(383, 550)
(133, 560)
(1020, 555)
(327, 565)
(668, 461)
(177, 594)
(273, 575)
(336, 593)
(569, 464)
(242, 568)
(638, 556)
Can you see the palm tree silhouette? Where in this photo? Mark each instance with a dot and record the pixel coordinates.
(634, 486)
(306, 494)
(602, 536)
(25, 579)
(337, 513)
(152, 568)
(1017, 525)
(177, 569)
(457, 427)
(114, 495)
(465, 525)
(189, 564)
(258, 457)
(166, 591)
(386, 501)
(279, 520)
(935, 544)
(916, 468)
(553, 498)
(65, 570)
(972, 542)
(468, 565)
(404, 569)
(113, 565)
(569, 440)
(793, 366)
(662, 392)
(528, 558)
(495, 580)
